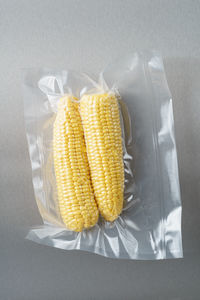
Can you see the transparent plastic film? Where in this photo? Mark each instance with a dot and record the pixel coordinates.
(113, 142)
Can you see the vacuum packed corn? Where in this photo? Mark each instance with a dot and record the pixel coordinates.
(102, 130)
(76, 201)
(104, 168)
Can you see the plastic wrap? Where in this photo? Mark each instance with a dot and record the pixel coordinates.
(149, 226)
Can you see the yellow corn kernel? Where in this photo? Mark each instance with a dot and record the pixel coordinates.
(102, 130)
(76, 201)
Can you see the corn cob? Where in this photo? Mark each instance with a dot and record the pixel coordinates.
(76, 201)
(101, 124)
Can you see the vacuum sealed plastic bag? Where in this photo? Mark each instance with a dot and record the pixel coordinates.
(104, 161)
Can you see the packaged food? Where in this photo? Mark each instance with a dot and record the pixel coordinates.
(104, 161)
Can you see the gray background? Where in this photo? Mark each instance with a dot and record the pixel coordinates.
(85, 35)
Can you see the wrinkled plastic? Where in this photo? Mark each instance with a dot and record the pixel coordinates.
(149, 226)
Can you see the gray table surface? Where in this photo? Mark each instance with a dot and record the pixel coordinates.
(85, 35)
